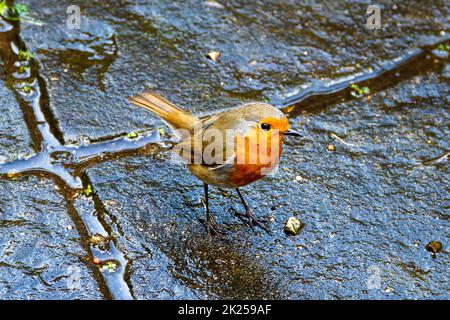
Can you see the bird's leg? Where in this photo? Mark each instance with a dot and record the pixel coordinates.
(252, 220)
(210, 223)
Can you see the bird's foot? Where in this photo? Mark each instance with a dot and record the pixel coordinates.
(249, 218)
(213, 228)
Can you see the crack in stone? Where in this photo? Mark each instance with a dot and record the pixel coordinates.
(31, 94)
(377, 79)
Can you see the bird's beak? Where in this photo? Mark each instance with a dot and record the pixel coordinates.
(291, 132)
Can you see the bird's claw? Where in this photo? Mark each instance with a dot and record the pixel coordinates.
(213, 228)
(252, 221)
(263, 223)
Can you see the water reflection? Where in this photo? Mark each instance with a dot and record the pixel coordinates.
(219, 268)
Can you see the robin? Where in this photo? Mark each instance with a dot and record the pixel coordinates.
(229, 149)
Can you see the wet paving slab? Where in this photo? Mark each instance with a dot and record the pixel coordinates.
(41, 256)
(15, 140)
(368, 178)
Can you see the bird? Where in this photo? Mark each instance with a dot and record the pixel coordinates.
(229, 149)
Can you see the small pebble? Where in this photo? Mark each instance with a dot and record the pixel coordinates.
(293, 226)
(434, 246)
(331, 147)
(214, 4)
(133, 135)
(388, 289)
(96, 239)
(213, 55)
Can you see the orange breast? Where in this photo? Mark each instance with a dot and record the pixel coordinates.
(245, 174)
(254, 159)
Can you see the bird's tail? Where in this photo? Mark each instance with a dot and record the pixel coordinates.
(174, 116)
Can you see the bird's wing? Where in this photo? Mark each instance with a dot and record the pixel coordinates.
(211, 144)
(225, 126)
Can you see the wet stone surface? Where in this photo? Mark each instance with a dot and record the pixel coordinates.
(370, 204)
(369, 209)
(40, 252)
(154, 207)
(268, 50)
(15, 140)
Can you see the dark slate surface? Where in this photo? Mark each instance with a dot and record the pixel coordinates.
(369, 208)
(40, 252)
(268, 49)
(15, 140)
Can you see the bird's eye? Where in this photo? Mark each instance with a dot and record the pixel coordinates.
(265, 126)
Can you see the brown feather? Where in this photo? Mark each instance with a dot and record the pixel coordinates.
(174, 116)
